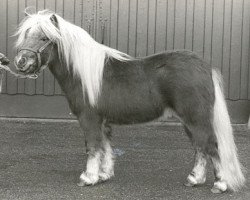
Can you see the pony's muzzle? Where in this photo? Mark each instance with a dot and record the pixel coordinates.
(23, 64)
(20, 62)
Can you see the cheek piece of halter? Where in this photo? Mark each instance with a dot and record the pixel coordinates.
(38, 52)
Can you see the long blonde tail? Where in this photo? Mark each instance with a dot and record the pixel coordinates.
(229, 166)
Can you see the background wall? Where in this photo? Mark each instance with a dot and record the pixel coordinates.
(218, 30)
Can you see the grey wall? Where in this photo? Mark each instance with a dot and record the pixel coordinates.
(218, 30)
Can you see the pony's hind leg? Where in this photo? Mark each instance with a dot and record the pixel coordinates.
(93, 140)
(107, 160)
(198, 174)
(219, 184)
(204, 141)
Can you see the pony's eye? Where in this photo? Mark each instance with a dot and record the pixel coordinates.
(44, 39)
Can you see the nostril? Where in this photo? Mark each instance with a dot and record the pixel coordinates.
(22, 61)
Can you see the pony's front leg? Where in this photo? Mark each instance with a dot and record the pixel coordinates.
(93, 140)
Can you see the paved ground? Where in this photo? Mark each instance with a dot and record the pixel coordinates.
(43, 160)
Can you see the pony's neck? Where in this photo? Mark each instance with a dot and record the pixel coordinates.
(60, 70)
(70, 85)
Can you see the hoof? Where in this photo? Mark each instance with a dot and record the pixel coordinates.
(216, 190)
(188, 184)
(105, 176)
(87, 179)
(219, 187)
(191, 181)
(81, 183)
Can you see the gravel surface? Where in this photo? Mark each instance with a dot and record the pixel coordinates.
(43, 160)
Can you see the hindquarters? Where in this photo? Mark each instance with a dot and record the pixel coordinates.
(186, 85)
(192, 89)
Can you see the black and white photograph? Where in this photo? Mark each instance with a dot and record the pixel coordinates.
(124, 99)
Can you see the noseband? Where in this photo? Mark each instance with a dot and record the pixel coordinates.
(38, 52)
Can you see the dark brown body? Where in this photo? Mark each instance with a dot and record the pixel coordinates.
(140, 90)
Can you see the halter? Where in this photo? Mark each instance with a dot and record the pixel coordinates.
(38, 53)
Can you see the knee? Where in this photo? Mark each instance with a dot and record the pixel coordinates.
(93, 145)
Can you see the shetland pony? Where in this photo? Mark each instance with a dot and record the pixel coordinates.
(105, 86)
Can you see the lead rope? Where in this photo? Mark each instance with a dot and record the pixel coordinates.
(6, 68)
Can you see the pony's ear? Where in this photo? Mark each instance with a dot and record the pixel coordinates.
(54, 20)
(29, 11)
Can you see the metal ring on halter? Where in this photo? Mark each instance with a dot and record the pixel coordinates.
(33, 76)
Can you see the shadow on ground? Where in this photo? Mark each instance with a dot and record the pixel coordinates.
(43, 160)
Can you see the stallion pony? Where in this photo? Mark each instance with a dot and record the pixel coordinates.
(104, 86)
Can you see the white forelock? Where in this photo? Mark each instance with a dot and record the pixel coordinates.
(77, 49)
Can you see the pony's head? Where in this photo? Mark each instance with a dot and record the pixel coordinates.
(36, 41)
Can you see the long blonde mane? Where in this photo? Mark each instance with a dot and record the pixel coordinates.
(77, 49)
